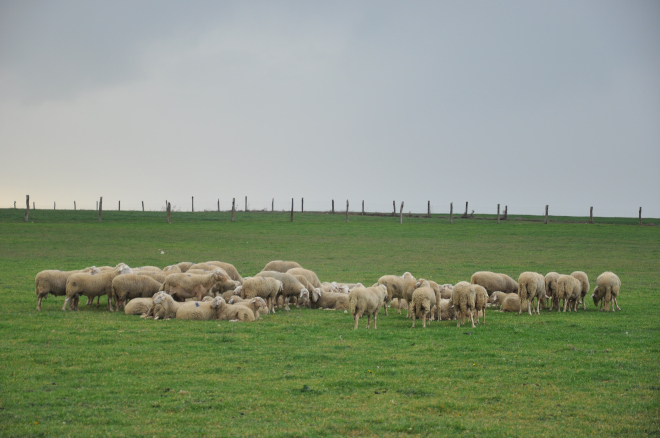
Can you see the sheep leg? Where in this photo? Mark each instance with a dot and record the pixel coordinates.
(66, 301)
(387, 304)
(413, 317)
(616, 304)
(529, 307)
(472, 320)
(424, 320)
(357, 318)
(375, 317)
(286, 304)
(458, 319)
(484, 316)
(90, 301)
(39, 298)
(368, 321)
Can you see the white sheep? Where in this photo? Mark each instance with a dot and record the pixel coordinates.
(463, 297)
(291, 286)
(257, 305)
(569, 289)
(264, 287)
(172, 269)
(182, 286)
(139, 306)
(492, 281)
(445, 309)
(131, 286)
(184, 266)
(510, 303)
(551, 288)
(366, 301)
(498, 297)
(480, 301)
(445, 291)
(330, 301)
(92, 285)
(54, 282)
(280, 266)
(231, 312)
(197, 310)
(164, 306)
(422, 301)
(531, 285)
(584, 280)
(606, 291)
(309, 275)
(229, 269)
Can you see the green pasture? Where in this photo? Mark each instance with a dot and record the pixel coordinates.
(307, 373)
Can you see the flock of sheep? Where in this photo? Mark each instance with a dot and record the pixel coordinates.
(215, 290)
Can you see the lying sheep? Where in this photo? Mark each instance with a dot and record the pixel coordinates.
(230, 294)
(551, 288)
(445, 310)
(445, 291)
(229, 269)
(510, 303)
(584, 280)
(606, 291)
(197, 310)
(182, 286)
(423, 300)
(172, 269)
(463, 297)
(330, 301)
(54, 282)
(280, 266)
(531, 285)
(92, 285)
(492, 281)
(184, 266)
(366, 301)
(139, 306)
(131, 286)
(480, 302)
(291, 288)
(164, 306)
(231, 312)
(498, 297)
(148, 268)
(569, 289)
(309, 275)
(257, 305)
(398, 303)
(264, 287)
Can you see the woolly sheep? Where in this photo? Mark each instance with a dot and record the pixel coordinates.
(264, 287)
(331, 301)
(463, 297)
(445, 310)
(498, 297)
(231, 312)
(398, 303)
(445, 291)
(230, 294)
(305, 282)
(182, 286)
(607, 290)
(480, 301)
(131, 286)
(54, 282)
(492, 281)
(366, 301)
(257, 305)
(309, 275)
(92, 285)
(569, 289)
(172, 269)
(280, 266)
(584, 281)
(531, 285)
(184, 266)
(423, 300)
(510, 303)
(551, 288)
(139, 306)
(291, 286)
(229, 269)
(148, 268)
(164, 306)
(197, 310)
(398, 287)
(156, 275)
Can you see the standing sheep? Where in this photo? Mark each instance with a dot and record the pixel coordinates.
(366, 301)
(231, 312)
(229, 269)
(463, 297)
(492, 281)
(92, 285)
(480, 301)
(531, 285)
(280, 266)
(569, 289)
(184, 266)
(54, 282)
(607, 290)
(182, 286)
(551, 288)
(164, 306)
(130, 286)
(423, 300)
(291, 286)
(309, 275)
(264, 287)
(584, 280)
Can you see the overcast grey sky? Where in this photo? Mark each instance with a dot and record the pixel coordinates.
(510, 102)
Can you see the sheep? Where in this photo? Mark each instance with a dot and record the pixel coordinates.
(148, 268)
(164, 306)
(54, 282)
(264, 287)
(584, 280)
(422, 301)
(492, 281)
(290, 286)
(184, 266)
(330, 301)
(498, 297)
(257, 305)
(531, 285)
(230, 294)
(139, 306)
(156, 275)
(309, 275)
(551, 288)
(445, 309)
(231, 312)
(172, 269)
(229, 269)
(510, 303)
(130, 286)
(334, 287)
(182, 286)
(398, 303)
(463, 297)
(197, 310)
(280, 266)
(203, 266)
(396, 286)
(445, 291)
(92, 285)
(569, 289)
(305, 282)
(366, 301)
(606, 291)
(480, 301)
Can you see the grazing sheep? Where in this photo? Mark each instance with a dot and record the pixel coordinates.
(156, 275)
(280, 266)
(264, 287)
(54, 282)
(492, 281)
(422, 301)
(184, 266)
(569, 289)
(305, 282)
(366, 301)
(398, 287)
(257, 305)
(229, 269)
(231, 312)
(197, 310)
(531, 285)
(480, 301)
(139, 306)
(291, 286)
(445, 309)
(551, 288)
(131, 286)
(463, 297)
(330, 301)
(309, 275)
(584, 280)
(92, 285)
(182, 286)
(606, 291)
(164, 306)
(172, 269)
(510, 303)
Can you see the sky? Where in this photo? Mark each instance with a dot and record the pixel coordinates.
(510, 102)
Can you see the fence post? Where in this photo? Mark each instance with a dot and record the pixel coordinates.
(246, 209)
(498, 213)
(100, 208)
(591, 215)
(193, 204)
(506, 212)
(302, 205)
(428, 214)
(347, 211)
(393, 208)
(333, 206)
(272, 205)
(142, 205)
(233, 208)
(401, 213)
(34, 207)
(169, 209)
(14, 205)
(27, 207)
(74, 205)
(546, 214)
(218, 205)
(97, 205)
(119, 206)
(451, 212)
(640, 215)
(291, 209)
(466, 209)
(363, 207)
(54, 205)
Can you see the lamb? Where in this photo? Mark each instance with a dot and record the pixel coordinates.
(480, 301)
(309, 275)
(291, 286)
(584, 280)
(445, 291)
(164, 306)
(510, 303)
(423, 300)
(366, 301)
(257, 305)
(330, 301)
(264, 287)
(445, 310)
(531, 285)
(54, 282)
(139, 306)
(492, 281)
(606, 291)
(182, 286)
(184, 266)
(231, 312)
(197, 310)
(92, 285)
(463, 297)
(551, 288)
(229, 269)
(569, 289)
(130, 286)
(280, 266)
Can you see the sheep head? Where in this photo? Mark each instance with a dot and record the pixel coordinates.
(218, 303)
(316, 294)
(159, 297)
(238, 290)
(281, 288)
(123, 268)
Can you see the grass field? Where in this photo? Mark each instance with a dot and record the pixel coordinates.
(307, 372)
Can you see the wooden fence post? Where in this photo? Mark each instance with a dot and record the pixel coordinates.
(233, 208)
(393, 208)
(466, 209)
(54, 205)
(193, 204)
(74, 205)
(246, 209)
(546, 214)
(333, 206)
(302, 205)
(506, 212)
(347, 211)
(142, 205)
(27, 207)
(218, 205)
(34, 207)
(451, 212)
(591, 215)
(428, 210)
(14, 205)
(401, 213)
(169, 210)
(291, 209)
(498, 213)
(272, 205)
(100, 208)
(119, 206)
(97, 205)
(640, 215)
(363, 207)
